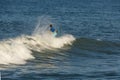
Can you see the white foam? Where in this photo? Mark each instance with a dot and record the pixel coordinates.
(18, 50)
(14, 52)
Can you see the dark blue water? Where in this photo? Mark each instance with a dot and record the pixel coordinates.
(94, 55)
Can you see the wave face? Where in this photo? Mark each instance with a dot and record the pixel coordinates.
(97, 46)
(18, 50)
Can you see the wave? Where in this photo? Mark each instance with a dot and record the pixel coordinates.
(18, 50)
(13, 51)
(97, 45)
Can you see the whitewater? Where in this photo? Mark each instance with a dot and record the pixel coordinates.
(18, 50)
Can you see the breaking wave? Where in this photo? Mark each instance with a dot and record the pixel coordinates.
(18, 50)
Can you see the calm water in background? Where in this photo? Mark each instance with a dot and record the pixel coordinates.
(94, 55)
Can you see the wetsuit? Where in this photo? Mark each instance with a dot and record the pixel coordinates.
(52, 29)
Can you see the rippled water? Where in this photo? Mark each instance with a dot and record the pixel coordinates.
(87, 47)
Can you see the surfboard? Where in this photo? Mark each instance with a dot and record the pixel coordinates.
(54, 34)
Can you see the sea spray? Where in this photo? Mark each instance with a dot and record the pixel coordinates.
(14, 52)
(42, 25)
(18, 50)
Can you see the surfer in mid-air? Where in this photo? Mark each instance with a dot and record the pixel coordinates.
(53, 30)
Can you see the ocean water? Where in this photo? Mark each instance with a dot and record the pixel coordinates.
(87, 46)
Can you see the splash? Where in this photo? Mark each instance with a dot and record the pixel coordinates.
(14, 52)
(19, 49)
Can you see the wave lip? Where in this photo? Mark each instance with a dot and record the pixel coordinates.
(18, 50)
(57, 42)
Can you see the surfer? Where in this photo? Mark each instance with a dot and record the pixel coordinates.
(52, 29)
